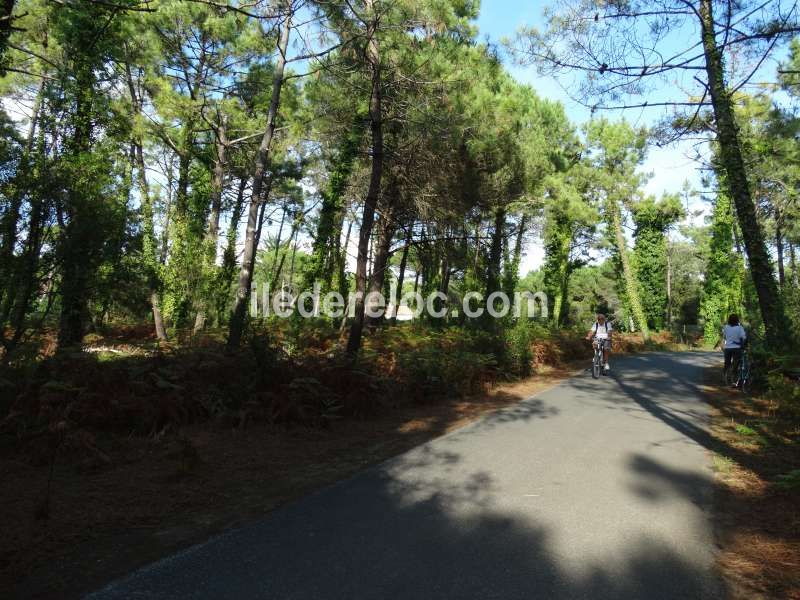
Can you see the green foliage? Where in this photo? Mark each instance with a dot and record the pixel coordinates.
(745, 430)
(616, 149)
(569, 226)
(652, 220)
(184, 271)
(519, 340)
(723, 289)
(688, 256)
(789, 481)
(324, 257)
(593, 289)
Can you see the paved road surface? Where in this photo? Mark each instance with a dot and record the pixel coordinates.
(593, 489)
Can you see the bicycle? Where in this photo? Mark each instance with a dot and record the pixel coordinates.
(739, 373)
(597, 361)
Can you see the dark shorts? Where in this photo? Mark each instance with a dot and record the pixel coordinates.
(730, 354)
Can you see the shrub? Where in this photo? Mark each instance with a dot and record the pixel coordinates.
(452, 362)
(519, 341)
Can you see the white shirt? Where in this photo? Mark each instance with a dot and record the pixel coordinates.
(734, 336)
(602, 332)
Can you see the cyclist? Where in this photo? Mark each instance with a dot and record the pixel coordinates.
(734, 338)
(601, 332)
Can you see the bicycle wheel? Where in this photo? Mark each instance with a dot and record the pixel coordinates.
(746, 379)
(596, 366)
(746, 385)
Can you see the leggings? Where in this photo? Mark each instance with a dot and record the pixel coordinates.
(730, 353)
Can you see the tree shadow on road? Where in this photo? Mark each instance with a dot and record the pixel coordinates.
(667, 387)
(417, 527)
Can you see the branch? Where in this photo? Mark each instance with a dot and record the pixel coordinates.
(110, 5)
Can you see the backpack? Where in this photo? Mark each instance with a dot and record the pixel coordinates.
(596, 325)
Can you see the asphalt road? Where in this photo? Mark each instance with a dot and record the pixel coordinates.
(593, 489)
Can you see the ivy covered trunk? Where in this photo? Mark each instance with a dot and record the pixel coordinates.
(722, 289)
(628, 274)
(557, 267)
(341, 263)
(730, 155)
(227, 272)
(653, 220)
(331, 214)
(779, 247)
(19, 274)
(149, 252)
(152, 264)
(79, 244)
(209, 248)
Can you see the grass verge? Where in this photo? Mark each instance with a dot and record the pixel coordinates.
(757, 492)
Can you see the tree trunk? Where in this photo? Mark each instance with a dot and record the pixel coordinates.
(631, 284)
(736, 179)
(369, 258)
(373, 193)
(167, 219)
(291, 263)
(381, 258)
(9, 272)
(26, 279)
(295, 228)
(184, 164)
(148, 227)
(78, 254)
(212, 232)
(562, 304)
(444, 288)
(331, 214)
(228, 270)
(523, 224)
(278, 241)
(28, 274)
(336, 255)
(511, 275)
(342, 262)
(495, 253)
(477, 256)
(669, 285)
(402, 275)
(6, 27)
(239, 311)
(780, 249)
(149, 243)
